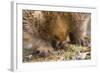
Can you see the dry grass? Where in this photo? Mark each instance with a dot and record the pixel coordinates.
(70, 52)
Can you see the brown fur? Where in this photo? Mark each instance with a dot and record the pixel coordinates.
(52, 28)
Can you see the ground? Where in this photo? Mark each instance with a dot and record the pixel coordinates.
(69, 52)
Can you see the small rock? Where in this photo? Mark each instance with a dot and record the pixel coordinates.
(29, 57)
